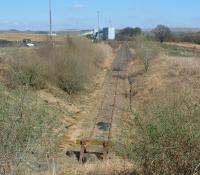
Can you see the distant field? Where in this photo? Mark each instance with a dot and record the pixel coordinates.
(185, 45)
(21, 36)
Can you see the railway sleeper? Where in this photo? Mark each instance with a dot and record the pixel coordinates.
(90, 150)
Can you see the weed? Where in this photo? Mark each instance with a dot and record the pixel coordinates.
(28, 132)
(145, 51)
(70, 66)
(173, 50)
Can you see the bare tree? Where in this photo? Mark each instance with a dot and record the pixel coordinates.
(145, 51)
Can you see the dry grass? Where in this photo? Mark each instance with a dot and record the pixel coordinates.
(185, 45)
(114, 166)
(70, 66)
(114, 44)
(28, 131)
(109, 56)
(26, 68)
(145, 51)
(21, 36)
(163, 134)
(185, 67)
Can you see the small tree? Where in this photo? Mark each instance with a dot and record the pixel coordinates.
(162, 33)
(146, 56)
(137, 31)
(130, 32)
(145, 51)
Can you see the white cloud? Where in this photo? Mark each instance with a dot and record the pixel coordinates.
(78, 6)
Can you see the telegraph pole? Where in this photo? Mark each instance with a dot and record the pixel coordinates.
(98, 15)
(50, 19)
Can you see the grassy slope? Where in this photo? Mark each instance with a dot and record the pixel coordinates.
(166, 108)
(60, 114)
(45, 114)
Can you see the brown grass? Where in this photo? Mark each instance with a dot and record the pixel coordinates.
(70, 66)
(109, 56)
(114, 166)
(185, 66)
(185, 45)
(21, 36)
(163, 134)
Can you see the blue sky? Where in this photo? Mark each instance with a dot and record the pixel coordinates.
(82, 14)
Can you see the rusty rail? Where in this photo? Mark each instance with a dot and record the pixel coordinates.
(105, 143)
(113, 109)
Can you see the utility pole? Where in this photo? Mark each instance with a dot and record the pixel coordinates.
(98, 15)
(50, 19)
(50, 24)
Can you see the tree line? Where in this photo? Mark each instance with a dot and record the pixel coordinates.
(161, 33)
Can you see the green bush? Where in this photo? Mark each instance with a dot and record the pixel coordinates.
(187, 37)
(162, 33)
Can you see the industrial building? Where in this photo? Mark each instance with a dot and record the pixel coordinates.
(108, 33)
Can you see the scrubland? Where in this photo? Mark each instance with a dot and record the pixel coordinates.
(37, 86)
(162, 133)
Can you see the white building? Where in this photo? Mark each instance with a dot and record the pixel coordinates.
(109, 33)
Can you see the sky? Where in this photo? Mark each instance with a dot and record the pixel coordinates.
(82, 14)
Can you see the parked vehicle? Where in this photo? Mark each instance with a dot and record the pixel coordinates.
(28, 43)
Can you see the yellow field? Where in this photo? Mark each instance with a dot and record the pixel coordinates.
(185, 45)
(21, 36)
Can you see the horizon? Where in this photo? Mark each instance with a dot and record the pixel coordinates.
(82, 14)
(71, 29)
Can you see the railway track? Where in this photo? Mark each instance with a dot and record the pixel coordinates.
(99, 140)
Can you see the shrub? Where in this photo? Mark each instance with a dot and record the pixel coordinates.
(75, 64)
(28, 132)
(130, 32)
(164, 138)
(71, 65)
(186, 37)
(26, 68)
(162, 33)
(74, 73)
(145, 51)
